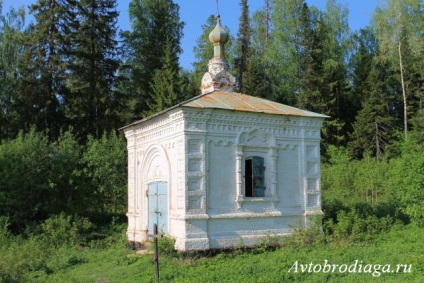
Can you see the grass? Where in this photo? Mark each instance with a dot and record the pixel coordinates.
(401, 245)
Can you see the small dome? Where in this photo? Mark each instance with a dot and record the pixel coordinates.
(219, 35)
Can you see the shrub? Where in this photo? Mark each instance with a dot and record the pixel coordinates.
(356, 225)
(309, 236)
(36, 177)
(64, 230)
(104, 164)
(4, 231)
(407, 181)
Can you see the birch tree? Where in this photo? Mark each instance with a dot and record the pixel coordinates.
(398, 27)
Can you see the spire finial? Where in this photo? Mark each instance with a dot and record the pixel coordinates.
(218, 77)
(217, 7)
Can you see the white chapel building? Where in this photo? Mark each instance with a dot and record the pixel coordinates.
(222, 169)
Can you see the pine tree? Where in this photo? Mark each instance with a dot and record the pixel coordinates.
(258, 80)
(321, 77)
(333, 31)
(166, 85)
(243, 45)
(283, 49)
(373, 130)
(310, 80)
(365, 48)
(11, 33)
(43, 69)
(93, 102)
(417, 122)
(155, 23)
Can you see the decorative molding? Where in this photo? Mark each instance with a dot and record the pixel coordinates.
(256, 138)
(220, 142)
(220, 122)
(152, 153)
(288, 146)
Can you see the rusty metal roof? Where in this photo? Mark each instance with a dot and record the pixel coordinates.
(242, 102)
(236, 102)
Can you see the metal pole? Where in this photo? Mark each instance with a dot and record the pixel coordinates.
(156, 254)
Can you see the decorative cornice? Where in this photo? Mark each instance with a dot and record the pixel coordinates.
(218, 122)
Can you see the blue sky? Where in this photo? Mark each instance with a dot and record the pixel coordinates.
(195, 12)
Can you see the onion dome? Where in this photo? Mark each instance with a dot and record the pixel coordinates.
(219, 37)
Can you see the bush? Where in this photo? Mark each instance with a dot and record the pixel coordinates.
(105, 169)
(65, 230)
(309, 236)
(407, 181)
(37, 177)
(166, 245)
(58, 176)
(354, 225)
(4, 231)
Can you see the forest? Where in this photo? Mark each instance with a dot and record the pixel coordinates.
(71, 78)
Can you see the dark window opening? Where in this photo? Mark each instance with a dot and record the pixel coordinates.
(248, 179)
(254, 177)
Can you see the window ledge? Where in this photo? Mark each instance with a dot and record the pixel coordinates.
(256, 199)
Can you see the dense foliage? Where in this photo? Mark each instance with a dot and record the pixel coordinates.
(61, 250)
(41, 178)
(70, 67)
(372, 213)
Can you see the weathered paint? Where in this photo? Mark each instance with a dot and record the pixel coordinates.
(243, 102)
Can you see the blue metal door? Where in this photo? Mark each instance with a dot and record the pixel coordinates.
(158, 206)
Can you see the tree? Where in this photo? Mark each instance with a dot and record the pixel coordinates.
(320, 80)
(243, 45)
(310, 80)
(37, 177)
(167, 85)
(335, 35)
(282, 50)
(93, 102)
(398, 27)
(155, 24)
(375, 125)
(418, 126)
(373, 130)
(365, 48)
(104, 164)
(407, 180)
(258, 81)
(42, 69)
(11, 48)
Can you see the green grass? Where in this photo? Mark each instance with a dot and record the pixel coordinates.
(401, 245)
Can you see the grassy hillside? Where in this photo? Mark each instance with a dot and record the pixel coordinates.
(373, 221)
(113, 263)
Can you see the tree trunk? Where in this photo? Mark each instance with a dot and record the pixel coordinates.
(377, 142)
(268, 19)
(405, 105)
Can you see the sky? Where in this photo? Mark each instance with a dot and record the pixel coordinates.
(194, 14)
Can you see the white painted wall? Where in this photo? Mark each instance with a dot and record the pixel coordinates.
(201, 152)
